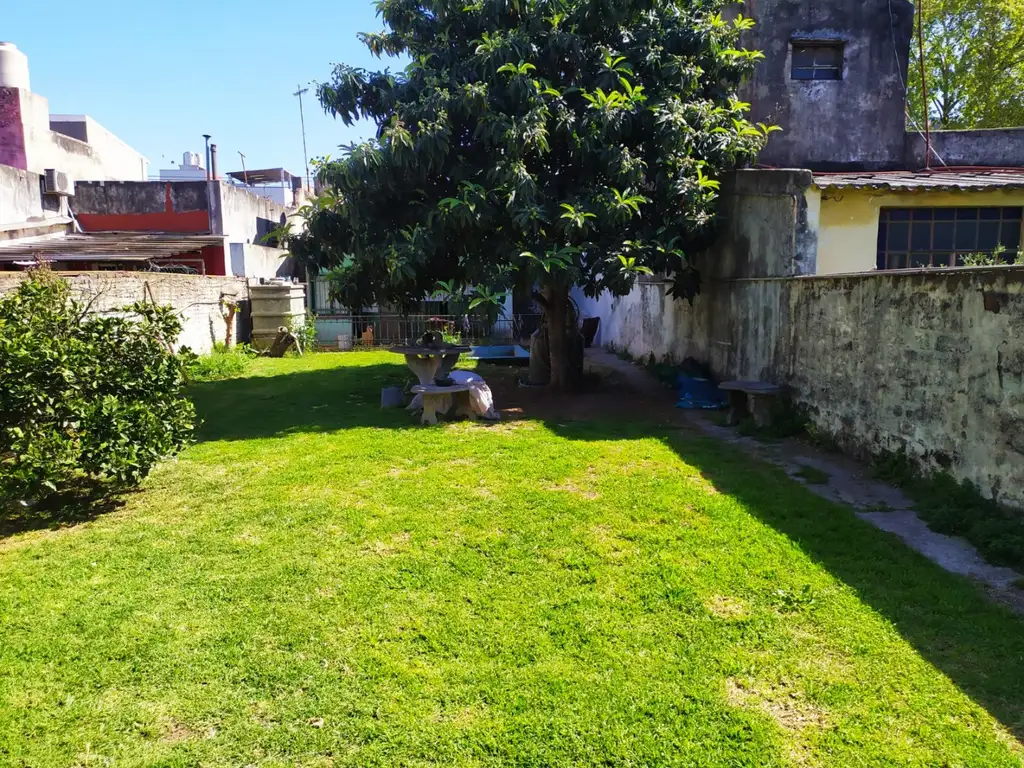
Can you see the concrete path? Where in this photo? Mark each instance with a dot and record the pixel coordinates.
(848, 482)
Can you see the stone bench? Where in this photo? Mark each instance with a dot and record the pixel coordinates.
(754, 398)
(452, 400)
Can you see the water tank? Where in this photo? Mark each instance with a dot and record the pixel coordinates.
(13, 67)
(190, 160)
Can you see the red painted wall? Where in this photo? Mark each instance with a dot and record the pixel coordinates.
(187, 222)
(213, 258)
(168, 220)
(12, 131)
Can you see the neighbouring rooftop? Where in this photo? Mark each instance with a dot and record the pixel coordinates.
(266, 176)
(913, 181)
(115, 246)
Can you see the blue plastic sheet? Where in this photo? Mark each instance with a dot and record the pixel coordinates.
(699, 394)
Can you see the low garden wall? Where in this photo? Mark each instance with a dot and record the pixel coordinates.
(197, 299)
(928, 362)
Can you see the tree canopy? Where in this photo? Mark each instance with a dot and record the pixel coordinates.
(539, 142)
(974, 64)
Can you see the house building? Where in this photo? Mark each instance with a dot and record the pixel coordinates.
(834, 79)
(33, 140)
(275, 184)
(75, 195)
(191, 169)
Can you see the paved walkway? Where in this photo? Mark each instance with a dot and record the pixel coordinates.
(849, 482)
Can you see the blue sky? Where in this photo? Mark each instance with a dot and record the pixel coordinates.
(161, 74)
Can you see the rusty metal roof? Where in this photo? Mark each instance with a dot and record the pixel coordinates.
(108, 246)
(913, 181)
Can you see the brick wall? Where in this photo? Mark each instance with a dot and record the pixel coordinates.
(197, 298)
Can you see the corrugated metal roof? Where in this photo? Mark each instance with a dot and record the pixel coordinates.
(911, 181)
(115, 246)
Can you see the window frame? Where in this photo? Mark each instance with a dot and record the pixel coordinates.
(954, 224)
(816, 47)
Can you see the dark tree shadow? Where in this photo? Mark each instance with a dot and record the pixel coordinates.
(977, 644)
(62, 510)
(309, 401)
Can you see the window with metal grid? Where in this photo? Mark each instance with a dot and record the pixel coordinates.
(911, 238)
(817, 60)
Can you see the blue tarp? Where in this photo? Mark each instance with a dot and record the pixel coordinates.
(699, 394)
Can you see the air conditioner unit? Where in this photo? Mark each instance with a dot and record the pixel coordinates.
(57, 183)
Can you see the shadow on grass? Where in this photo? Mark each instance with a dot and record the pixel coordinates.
(311, 401)
(60, 511)
(976, 644)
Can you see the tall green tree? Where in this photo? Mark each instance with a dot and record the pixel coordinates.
(974, 64)
(541, 142)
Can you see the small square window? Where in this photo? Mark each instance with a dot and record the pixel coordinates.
(817, 60)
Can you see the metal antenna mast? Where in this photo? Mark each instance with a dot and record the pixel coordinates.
(302, 117)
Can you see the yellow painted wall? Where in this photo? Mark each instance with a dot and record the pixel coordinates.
(848, 229)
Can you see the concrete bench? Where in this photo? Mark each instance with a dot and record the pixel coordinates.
(444, 400)
(755, 398)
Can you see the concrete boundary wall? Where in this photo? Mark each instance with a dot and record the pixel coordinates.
(197, 298)
(930, 362)
(926, 361)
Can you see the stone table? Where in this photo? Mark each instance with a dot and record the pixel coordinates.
(430, 363)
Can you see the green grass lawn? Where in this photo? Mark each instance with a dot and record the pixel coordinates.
(318, 582)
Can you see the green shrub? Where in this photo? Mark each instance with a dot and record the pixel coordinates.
(223, 363)
(957, 509)
(305, 332)
(85, 399)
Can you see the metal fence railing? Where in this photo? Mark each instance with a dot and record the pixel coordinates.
(373, 329)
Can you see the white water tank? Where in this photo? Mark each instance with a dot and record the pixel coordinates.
(190, 160)
(13, 67)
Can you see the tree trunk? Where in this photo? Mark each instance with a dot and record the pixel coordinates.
(566, 364)
(283, 342)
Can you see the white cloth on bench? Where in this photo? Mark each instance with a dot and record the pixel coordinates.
(480, 396)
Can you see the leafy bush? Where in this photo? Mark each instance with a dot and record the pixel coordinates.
(85, 400)
(957, 509)
(305, 332)
(223, 363)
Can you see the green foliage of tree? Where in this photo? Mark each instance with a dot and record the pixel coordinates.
(974, 64)
(85, 399)
(534, 142)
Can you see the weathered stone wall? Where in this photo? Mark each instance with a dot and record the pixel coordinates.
(929, 362)
(853, 123)
(197, 298)
(992, 147)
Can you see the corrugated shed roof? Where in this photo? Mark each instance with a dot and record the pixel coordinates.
(913, 181)
(107, 246)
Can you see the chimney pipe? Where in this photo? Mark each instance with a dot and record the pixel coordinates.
(213, 162)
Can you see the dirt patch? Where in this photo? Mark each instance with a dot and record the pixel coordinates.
(602, 397)
(786, 705)
(395, 545)
(579, 486)
(175, 733)
(798, 717)
(729, 608)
